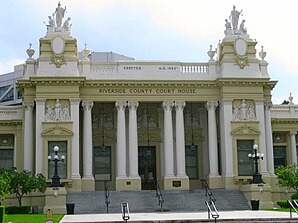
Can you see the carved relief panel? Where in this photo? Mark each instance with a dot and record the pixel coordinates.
(57, 110)
(244, 110)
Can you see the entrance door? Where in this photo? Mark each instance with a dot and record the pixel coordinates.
(147, 167)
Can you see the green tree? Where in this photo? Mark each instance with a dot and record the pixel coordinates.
(288, 176)
(24, 182)
(5, 179)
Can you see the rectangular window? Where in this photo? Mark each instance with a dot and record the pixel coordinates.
(6, 158)
(62, 166)
(279, 154)
(102, 163)
(191, 162)
(245, 165)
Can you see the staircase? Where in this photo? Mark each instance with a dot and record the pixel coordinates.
(146, 201)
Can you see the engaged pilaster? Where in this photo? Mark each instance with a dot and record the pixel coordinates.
(40, 112)
(293, 147)
(269, 141)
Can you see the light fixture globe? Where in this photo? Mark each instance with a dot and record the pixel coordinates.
(56, 148)
(255, 146)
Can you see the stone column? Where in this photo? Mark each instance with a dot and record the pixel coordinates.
(180, 139)
(133, 146)
(212, 138)
(260, 113)
(121, 146)
(28, 136)
(133, 140)
(293, 147)
(269, 141)
(75, 152)
(88, 179)
(168, 139)
(39, 146)
(180, 146)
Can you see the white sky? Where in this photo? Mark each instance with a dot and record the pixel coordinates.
(179, 30)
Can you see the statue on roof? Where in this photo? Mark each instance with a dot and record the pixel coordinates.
(235, 18)
(59, 12)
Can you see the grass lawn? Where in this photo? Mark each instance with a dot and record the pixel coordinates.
(31, 218)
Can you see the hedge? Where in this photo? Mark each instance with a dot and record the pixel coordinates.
(2, 214)
(285, 203)
(18, 209)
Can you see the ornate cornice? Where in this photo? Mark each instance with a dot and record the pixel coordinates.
(38, 81)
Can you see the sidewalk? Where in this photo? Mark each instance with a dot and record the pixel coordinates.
(167, 216)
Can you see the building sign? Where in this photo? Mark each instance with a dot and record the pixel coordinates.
(141, 91)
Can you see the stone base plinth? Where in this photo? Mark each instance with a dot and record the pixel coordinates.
(128, 183)
(55, 200)
(215, 182)
(175, 183)
(88, 184)
(260, 192)
(75, 186)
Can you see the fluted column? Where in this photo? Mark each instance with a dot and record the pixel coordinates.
(180, 139)
(269, 141)
(39, 156)
(75, 153)
(168, 139)
(121, 140)
(87, 140)
(212, 138)
(293, 147)
(133, 140)
(28, 135)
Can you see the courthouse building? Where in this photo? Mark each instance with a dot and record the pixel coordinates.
(136, 124)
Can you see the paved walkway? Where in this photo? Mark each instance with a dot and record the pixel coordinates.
(164, 216)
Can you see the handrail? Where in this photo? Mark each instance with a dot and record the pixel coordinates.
(212, 210)
(208, 191)
(159, 197)
(292, 206)
(107, 196)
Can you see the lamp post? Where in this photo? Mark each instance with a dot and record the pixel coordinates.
(257, 177)
(56, 178)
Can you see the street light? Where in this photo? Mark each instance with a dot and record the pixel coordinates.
(257, 177)
(56, 178)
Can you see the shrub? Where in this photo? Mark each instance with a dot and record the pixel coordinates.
(18, 210)
(294, 196)
(283, 203)
(2, 214)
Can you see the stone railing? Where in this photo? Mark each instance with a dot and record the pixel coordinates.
(284, 111)
(10, 112)
(194, 68)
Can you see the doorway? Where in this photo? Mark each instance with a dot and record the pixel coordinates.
(147, 167)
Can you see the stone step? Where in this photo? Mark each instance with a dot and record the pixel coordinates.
(146, 201)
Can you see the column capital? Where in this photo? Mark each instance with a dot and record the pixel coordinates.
(133, 105)
(120, 105)
(268, 104)
(179, 105)
(29, 105)
(40, 101)
(87, 105)
(167, 105)
(211, 105)
(293, 133)
(75, 101)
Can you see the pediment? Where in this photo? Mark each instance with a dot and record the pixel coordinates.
(245, 130)
(57, 131)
